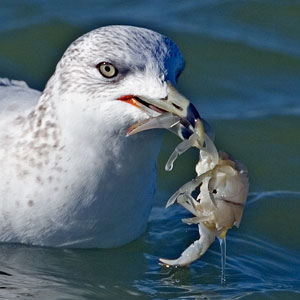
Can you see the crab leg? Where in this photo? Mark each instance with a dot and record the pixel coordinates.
(193, 141)
(188, 187)
(195, 250)
(187, 201)
(181, 148)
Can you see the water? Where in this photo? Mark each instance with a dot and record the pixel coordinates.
(242, 74)
(222, 242)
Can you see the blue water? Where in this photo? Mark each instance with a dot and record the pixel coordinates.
(243, 75)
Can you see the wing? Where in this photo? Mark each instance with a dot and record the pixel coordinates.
(16, 97)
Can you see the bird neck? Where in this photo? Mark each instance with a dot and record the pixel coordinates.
(82, 153)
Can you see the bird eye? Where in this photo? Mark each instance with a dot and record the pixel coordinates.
(107, 69)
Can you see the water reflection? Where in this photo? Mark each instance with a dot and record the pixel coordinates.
(46, 273)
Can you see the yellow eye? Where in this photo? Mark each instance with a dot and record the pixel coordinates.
(107, 69)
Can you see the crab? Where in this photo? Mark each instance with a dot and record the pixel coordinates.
(222, 181)
(223, 188)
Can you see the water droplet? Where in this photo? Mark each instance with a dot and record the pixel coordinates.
(222, 242)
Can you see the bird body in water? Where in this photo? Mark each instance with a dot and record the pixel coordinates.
(69, 174)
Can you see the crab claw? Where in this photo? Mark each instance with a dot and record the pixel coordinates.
(195, 250)
(185, 192)
(192, 141)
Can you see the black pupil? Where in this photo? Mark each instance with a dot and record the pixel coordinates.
(107, 68)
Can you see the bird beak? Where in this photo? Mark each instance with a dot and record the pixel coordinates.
(175, 112)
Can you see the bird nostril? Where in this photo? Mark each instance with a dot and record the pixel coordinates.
(177, 106)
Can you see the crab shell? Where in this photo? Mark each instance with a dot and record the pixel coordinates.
(223, 192)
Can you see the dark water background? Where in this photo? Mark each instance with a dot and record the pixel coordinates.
(243, 74)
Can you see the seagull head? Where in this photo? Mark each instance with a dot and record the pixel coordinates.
(130, 68)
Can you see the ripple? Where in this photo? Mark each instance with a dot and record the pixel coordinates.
(256, 196)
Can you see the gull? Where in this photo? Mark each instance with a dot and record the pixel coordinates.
(70, 176)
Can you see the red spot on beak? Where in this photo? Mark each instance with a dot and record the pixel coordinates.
(129, 99)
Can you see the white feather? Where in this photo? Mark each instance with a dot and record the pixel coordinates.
(69, 175)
